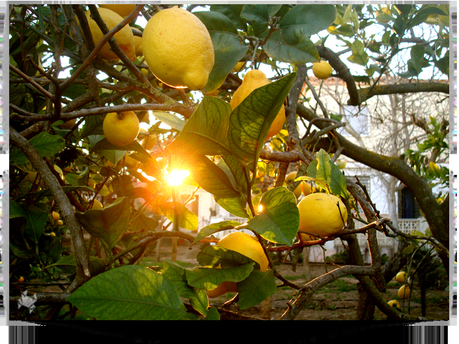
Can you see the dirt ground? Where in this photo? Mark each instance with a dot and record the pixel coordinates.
(336, 301)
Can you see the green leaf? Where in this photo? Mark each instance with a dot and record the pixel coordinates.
(212, 314)
(257, 16)
(236, 172)
(279, 220)
(251, 120)
(234, 205)
(306, 20)
(45, 144)
(186, 218)
(36, 221)
(68, 265)
(108, 223)
(130, 293)
(210, 278)
(300, 53)
(210, 177)
(338, 184)
(205, 131)
(103, 144)
(320, 168)
(215, 227)
(227, 48)
(92, 126)
(256, 288)
(424, 13)
(177, 275)
(170, 119)
(359, 55)
(233, 13)
(217, 256)
(417, 57)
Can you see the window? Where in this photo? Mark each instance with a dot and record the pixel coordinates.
(356, 119)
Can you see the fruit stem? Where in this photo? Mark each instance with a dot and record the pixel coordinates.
(120, 115)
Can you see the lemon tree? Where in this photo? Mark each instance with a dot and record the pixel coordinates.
(107, 100)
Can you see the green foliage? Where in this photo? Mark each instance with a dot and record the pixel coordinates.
(130, 293)
(220, 147)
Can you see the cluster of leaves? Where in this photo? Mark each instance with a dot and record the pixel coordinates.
(423, 160)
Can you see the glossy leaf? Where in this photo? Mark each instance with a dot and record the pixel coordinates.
(210, 177)
(205, 131)
(217, 256)
(109, 223)
(299, 53)
(227, 48)
(45, 144)
(279, 220)
(214, 228)
(235, 205)
(320, 168)
(177, 275)
(256, 288)
(170, 119)
(257, 16)
(250, 121)
(210, 278)
(305, 20)
(130, 293)
(359, 55)
(186, 218)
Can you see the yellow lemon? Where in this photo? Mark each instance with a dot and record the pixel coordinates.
(247, 245)
(124, 37)
(96, 205)
(322, 69)
(138, 46)
(394, 303)
(223, 288)
(121, 129)
(122, 10)
(289, 178)
(404, 292)
(178, 49)
(401, 277)
(253, 80)
(306, 188)
(319, 214)
(59, 222)
(56, 215)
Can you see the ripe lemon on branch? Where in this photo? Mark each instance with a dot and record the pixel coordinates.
(322, 69)
(178, 49)
(122, 128)
(253, 80)
(246, 245)
(320, 215)
(124, 38)
(122, 10)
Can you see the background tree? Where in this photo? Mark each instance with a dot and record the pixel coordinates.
(61, 88)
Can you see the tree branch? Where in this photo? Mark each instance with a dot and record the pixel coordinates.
(368, 92)
(63, 203)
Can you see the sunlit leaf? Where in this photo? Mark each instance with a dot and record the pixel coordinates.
(279, 220)
(130, 293)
